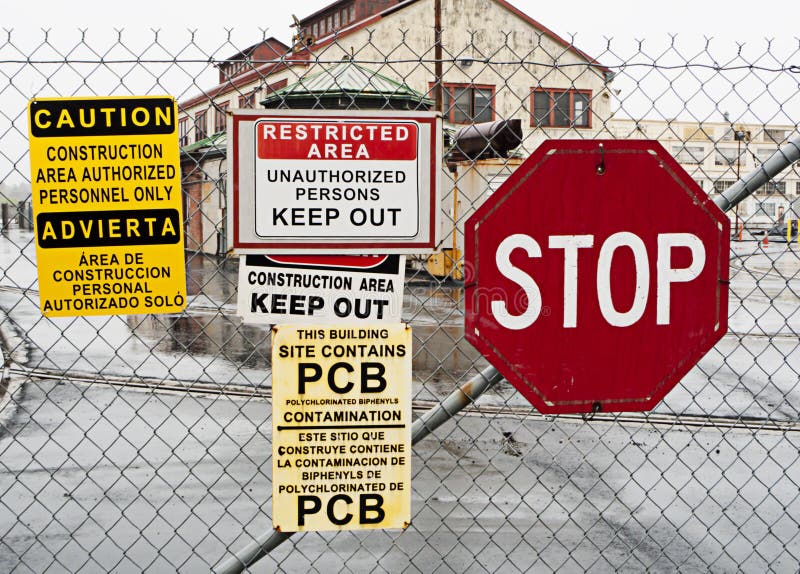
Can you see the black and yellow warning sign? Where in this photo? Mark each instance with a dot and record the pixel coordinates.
(341, 427)
(105, 179)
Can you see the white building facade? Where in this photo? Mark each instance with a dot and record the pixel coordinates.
(497, 64)
(717, 154)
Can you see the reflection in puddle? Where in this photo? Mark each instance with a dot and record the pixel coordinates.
(442, 358)
(441, 355)
(217, 335)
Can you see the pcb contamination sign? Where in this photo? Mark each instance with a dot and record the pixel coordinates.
(341, 427)
(105, 177)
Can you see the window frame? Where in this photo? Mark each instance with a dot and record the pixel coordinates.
(772, 187)
(771, 135)
(200, 125)
(572, 92)
(248, 100)
(678, 153)
(449, 91)
(723, 159)
(721, 185)
(183, 131)
(763, 154)
(761, 209)
(220, 118)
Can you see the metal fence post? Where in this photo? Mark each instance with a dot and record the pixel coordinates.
(460, 398)
(776, 163)
(469, 392)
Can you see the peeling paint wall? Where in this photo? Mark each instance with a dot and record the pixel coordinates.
(400, 46)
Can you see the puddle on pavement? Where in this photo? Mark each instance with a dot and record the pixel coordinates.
(441, 355)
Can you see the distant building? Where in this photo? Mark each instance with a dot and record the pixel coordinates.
(564, 94)
(570, 100)
(204, 164)
(241, 85)
(716, 154)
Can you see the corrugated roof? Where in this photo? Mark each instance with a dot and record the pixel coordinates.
(216, 141)
(347, 77)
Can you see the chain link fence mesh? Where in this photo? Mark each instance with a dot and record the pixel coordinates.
(142, 443)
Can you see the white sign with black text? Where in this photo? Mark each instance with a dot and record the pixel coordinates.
(275, 289)
(328, 182)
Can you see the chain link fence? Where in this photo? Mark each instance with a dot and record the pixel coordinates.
(142, 443)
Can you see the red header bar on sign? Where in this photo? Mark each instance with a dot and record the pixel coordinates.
(337, 140)
(344, 261)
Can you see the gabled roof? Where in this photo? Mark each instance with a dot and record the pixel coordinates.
(234, 85)
(358, 25)
(347, 77)
(242, 55)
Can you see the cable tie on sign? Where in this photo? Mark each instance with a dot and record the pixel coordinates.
(596, 408)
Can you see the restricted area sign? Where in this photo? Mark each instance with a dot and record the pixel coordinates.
(322, 181)
(278, 289)
(105, 178)
(597, 276)
(341, 427)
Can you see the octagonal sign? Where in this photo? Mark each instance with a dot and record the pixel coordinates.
(597, 276)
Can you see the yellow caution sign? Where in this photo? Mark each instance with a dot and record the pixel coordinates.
(341, 427)
(105, 179)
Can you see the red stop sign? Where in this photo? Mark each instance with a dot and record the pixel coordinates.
(597, 276)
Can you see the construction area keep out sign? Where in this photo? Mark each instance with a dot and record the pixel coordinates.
(105, 177)
(320, 288)
(341, 427)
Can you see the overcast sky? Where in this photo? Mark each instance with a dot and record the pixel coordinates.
(742, 20)
(196, 31)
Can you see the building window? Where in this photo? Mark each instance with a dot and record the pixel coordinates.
(743, 209)
(330, 24)
(344, 16)
(314, 30)
(722, 184)
(774, 135)
(727, 156)
(772, 187)
(183, 132)
(554, 108)
(336, 20)
(737, 134)
(691, 154)
(767, 209)
(697, 133)
(249, 99)
(467, 103)
(200, 126)
(797, 187)
(352, 12)
(764, 154)
(220, 117)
